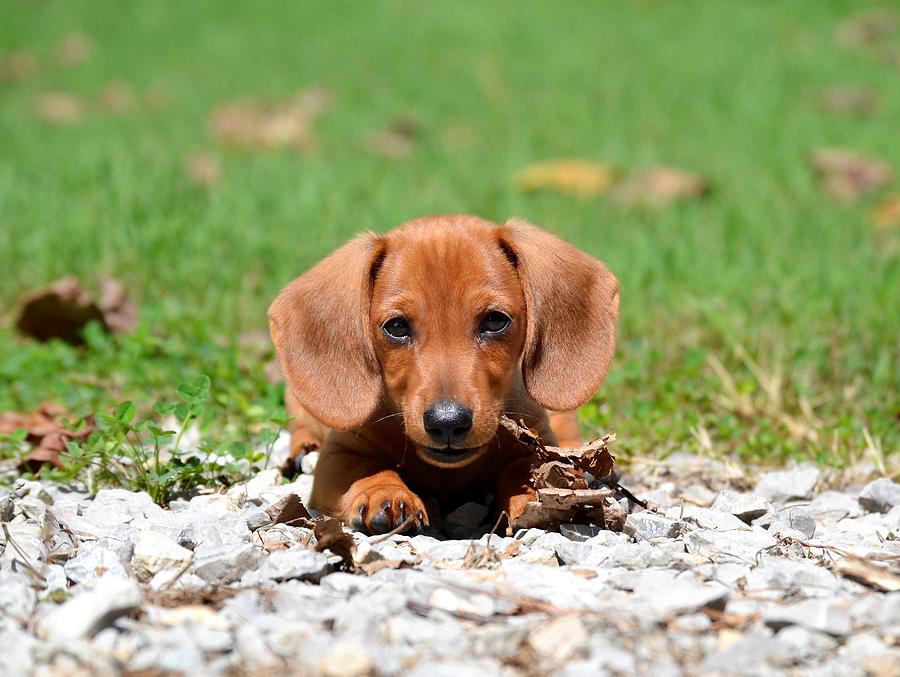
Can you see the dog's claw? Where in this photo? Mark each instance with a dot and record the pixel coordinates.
(382, 522)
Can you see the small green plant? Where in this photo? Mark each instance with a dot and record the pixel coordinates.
(141, 455)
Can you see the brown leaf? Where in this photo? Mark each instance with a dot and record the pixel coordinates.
(254, 125)
(396, 141)
(372, 568)
(867, 28)
(202, 169)
(117, 97)
(330, 535)
(580, 178)
(17, 66)
(658, 186)
(847, 175)
(854, 100)
(59, 108)
(289, 510)
(887, 213)
(74, 49)
(869, 574)
(47, 432)
(62, 309)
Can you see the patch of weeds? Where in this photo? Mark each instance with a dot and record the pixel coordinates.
(143, 454)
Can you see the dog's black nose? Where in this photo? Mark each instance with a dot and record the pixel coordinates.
(447, 422)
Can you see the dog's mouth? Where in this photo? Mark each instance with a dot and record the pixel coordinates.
(449, 456)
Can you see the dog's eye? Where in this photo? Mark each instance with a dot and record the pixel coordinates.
(397, 328)
(493, 323)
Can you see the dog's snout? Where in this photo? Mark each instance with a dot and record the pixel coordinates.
(447, 422)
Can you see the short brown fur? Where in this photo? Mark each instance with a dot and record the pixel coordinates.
(361, 396)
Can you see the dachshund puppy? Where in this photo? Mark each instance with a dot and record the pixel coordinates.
(402, 350)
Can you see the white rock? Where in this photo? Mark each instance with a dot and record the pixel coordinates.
(92, 563)
(746, 507)
(880, 495)
(225, 563)
(707, 518)
(154, 553)
(817, 615)
(309, 461)
(90, 611)
(559, 639)
(645, 526)
(785, 485)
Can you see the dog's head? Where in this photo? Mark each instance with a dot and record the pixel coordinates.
(441, 319)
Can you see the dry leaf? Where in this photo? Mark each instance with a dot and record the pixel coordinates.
(117, 97)
(396, 141)
(60, 108)
(330, 535)
(867, 28)
(887, 213)
(74, 49)
(868, 573)
(847, 175)
(580, 178)
(17, 66)
(568, 483)
(289, 510)
(658, 186)
(372, 568)
(47, 433)
(202, 169)
(856, 100)
(63, 309)
(254, 125)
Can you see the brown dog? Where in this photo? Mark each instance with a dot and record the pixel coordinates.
(402, 350)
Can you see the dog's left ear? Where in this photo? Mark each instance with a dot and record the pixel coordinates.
(320, 326)
(572, 302)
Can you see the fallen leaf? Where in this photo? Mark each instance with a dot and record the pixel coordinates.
(396, 141)
(17, 66)
(868, 573)
(887, 213)
(289, 510)
(855, 100)
(372, 568)
(117, 97)
(847, 175)
(74, 49)
(63, 309)
(47, 432)
(867, 28)
(658, 186)
(203, 169)
(580, 178)
(59, 108)
(253, 124)
(330, 535)
(569, 483)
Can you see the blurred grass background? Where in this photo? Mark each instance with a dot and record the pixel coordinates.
(761, 320)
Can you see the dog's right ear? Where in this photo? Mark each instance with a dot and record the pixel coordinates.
(320, 326)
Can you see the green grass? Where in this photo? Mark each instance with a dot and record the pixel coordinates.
(766, 272)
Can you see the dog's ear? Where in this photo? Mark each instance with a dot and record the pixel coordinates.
(320, 326)
(572, 302)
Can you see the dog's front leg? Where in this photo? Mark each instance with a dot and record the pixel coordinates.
(514, 489)
(358, 489)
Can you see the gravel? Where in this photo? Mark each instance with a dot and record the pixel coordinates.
(713, 579)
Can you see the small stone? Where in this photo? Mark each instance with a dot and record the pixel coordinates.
(832, 506)
(880, 495)
(667, 596)
(225, 563)
(796, 518)
(757, 649)
(559, 639)
(257, 518)
(786, 485)
(154, 552)
(17, 596)
(308, 462)
(347, 659)
(707, 518)
(465, 520)
(644, 526)
(817, 615)
(746, 507)
(92, 563)
(579, 532)
(723, 546)
(282, 565)
(806, 643)
(87, 613)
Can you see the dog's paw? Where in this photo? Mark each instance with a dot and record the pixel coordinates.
(376, 508)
